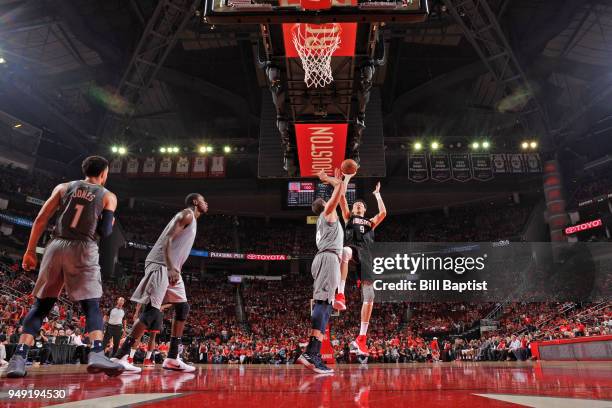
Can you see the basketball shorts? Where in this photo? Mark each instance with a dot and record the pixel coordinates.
(326, 274)
(155, 324)
(155, 287)
(73, 264)
(362, 259)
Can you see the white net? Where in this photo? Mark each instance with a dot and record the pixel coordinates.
(315, 44)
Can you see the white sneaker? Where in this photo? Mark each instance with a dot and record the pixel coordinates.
(177, 365)
(128, 368)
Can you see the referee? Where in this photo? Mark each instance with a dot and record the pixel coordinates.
(115, 325)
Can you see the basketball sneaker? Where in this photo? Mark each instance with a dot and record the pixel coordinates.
(176, 364)
(98, 362)
(314, 363)
(360, 346)
(16, 367)
(320, 366)
(128, 367)
(340, 302)
(148, 363)
(306, 360)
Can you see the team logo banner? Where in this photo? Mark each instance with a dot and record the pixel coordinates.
(133, 167)
(320, 147)
(481, 167)
(460, 164)
(533, 162)
(198, 168)
(489, 272)
(417, 168)
(148, 167)
(500, 164)
(440, 167)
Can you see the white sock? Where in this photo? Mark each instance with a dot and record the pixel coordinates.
(363, 330)
(341, 286)
(148, 356)
(132, 352)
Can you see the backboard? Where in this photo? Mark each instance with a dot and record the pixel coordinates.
(313, 11)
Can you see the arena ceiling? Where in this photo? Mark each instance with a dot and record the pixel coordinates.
(64, 61)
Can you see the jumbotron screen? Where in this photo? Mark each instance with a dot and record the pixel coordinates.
(302, 193)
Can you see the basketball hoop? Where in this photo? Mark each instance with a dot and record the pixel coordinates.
(315, 45)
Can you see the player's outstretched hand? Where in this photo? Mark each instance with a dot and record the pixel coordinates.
(323, 176)
(377, 189)
(338, 173)
(347, 177)
(29, 261)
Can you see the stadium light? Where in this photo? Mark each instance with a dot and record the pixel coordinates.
(122, 150)
(525, 145)
(162, 150)
(486, 145)
(209, 149)
(227, 149)
(435, 145)
(202, 149)
(533, 145)
(418, 146)
(175, 149)
(475, 145)
(2, 60)
(114, 149)
(17, 125)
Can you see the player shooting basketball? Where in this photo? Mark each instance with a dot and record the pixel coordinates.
(358, 238)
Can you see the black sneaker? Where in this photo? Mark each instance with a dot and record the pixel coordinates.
(307, 360)
(16, 367)
(320, 367)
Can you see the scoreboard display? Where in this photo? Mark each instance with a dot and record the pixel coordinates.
(301, 194)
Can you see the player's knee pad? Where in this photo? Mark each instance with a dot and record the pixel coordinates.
(150, 315)
(367, 293)
(36, 315)
(347, 254)
(93, 315)
(181, 311)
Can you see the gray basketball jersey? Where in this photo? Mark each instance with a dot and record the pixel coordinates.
(80, 209)
(330, 237)
(180, 247)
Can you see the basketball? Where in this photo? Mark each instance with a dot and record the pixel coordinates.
(349, 166)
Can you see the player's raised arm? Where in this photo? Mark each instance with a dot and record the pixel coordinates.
(382, 211)
(40, 225)
(178, 224)
(344, 207)
(339, 191)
